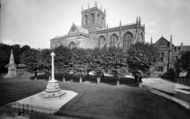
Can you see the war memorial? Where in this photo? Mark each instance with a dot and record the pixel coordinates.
(51, 99)
(11, 67)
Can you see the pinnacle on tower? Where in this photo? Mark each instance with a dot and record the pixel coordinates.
(181, 44)
(143, 26)
(181, 47)
(95, 3)
(139, 20)
(120, 23)
(171, 39)
(105, 11)
(151, 40)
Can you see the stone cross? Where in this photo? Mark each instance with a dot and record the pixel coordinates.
(52, 66)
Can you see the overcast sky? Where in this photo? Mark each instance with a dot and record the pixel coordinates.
(35, 22)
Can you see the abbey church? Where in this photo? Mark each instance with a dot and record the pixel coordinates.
(94, 33)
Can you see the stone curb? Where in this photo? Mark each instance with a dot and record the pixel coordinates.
(181, 102)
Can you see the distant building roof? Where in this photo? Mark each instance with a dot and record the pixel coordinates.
(77, 29)
(81, 29)
(186, 48)
(74, 30)
(162, 40)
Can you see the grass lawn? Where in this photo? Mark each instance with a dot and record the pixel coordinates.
(99, 101)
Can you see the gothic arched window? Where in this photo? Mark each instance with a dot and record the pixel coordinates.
(113, 40)
(102, 20)
(127, 40)
(72, 45)
(101, 41)
(92, 16)
(86, 19)
(99, 18)
(141, 37)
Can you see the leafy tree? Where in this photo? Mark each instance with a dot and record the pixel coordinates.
(116, 62)
(109, 60)
(183, 63)
(141, 57)
(17, 53)
(24, 48)
(44, 60)
(62, 60)
(97, 63)
(5, 51)
(31, 59)
(80, 61)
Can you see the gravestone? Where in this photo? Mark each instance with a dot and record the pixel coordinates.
(80, 79)
(98, 80)
(11, 67)
(63, 79)
(118, 83)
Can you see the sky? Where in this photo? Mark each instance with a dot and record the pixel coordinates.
(35, 22)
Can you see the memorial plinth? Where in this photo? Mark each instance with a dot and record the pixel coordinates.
(45, 105)
(53, 91)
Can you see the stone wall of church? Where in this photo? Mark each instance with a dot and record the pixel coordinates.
(73, 41)
(124, 36)
(56, 42)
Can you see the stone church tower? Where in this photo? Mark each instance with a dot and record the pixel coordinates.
(93, 19)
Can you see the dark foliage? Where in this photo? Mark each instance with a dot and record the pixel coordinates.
(114, 61)
(170, 74)
(183, 64)
(141, 58)
(31, 59)
(5, 51)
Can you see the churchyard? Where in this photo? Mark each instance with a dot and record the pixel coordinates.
(96, 101)
(85, 84)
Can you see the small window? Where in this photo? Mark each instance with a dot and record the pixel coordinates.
(86, 19)
(159, 69)
(161, 58)
(102, 20)
(93, 19)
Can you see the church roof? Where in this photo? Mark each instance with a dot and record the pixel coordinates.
(74, 31)
(186, 48)
(81, 29)
(162, 42)
(77, 29)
